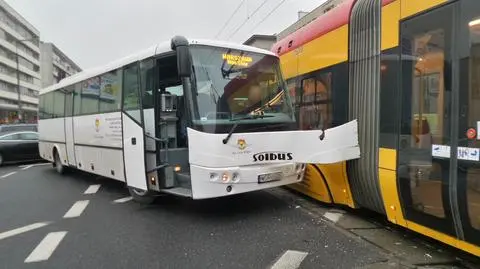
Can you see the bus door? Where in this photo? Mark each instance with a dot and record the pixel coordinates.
(69, 127)
(133, 129)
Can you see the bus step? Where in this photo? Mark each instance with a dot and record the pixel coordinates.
(183, 180)
(158, 167)
(185, 192)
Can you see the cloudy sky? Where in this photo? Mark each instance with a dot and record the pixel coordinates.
(94, 32)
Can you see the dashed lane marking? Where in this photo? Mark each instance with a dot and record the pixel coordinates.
(291, 259)
(333, 216)
(7, 175)
(76, 209)
(27, 167)
(92, 189)
(46, 247)
(123, 200)
(23, 229)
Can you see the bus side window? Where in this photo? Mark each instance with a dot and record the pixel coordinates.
(131, 92)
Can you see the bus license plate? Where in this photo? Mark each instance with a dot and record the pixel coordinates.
(264, 178)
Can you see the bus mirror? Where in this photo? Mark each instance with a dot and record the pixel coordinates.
(183, 61)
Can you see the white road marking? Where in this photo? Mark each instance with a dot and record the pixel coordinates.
(27, 167)
(76, 209)
(46, 247)
(92, 189)
(123, 200)
(32, 165)
(332, 216)
(9, 174)
(291, 259)
(23, 229)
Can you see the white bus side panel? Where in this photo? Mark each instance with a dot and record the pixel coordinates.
(52, 135)
(102, 130)
(98, 144)
(339, 144)
(134, 153)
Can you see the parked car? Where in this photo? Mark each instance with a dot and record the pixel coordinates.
(18, 147)
(18, 127)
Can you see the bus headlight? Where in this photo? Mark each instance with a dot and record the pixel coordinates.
(225, 177)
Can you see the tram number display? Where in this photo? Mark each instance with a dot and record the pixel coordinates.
(264, 178)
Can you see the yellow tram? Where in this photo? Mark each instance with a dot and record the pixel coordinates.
(409, 71)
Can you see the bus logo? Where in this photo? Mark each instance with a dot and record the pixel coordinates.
(242, 144)
(97, 125)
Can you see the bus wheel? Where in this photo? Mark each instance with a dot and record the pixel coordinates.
(141, 196)
(58, 163)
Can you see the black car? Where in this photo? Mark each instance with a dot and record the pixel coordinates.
(18, 146)
(18, 127)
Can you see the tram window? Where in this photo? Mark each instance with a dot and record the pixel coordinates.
(323, 99)
(307, 110)
(389, 98)
(316, 108)
(470, 103)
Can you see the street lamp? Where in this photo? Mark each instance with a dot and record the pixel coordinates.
(20, 112)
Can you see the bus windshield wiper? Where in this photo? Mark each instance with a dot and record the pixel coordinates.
(237, 120)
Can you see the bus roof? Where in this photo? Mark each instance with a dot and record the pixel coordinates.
(144, 54)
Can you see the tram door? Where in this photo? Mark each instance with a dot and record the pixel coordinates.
(439, 164)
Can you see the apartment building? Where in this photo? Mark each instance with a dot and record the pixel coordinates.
(55, 65)
(19, 66)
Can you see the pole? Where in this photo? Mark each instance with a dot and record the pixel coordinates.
(20, 112)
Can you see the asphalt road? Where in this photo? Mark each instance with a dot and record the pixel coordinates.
(82, 221)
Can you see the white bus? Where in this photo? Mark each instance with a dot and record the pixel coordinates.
(195, 118)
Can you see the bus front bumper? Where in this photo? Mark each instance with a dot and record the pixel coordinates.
(210, 182)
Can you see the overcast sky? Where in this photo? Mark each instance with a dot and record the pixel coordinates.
(94, 32)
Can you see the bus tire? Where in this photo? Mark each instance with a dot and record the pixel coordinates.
(140, 196)
(57, 163)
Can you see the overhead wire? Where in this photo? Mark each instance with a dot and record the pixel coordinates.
(230, 19)
(247, 19)
(268, 15)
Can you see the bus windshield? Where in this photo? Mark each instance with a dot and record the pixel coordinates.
(232, 84)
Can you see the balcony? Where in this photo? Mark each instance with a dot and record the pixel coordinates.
(13, 80)
(22, 68)
(14, 97)
(16, 35)
(4, 43)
